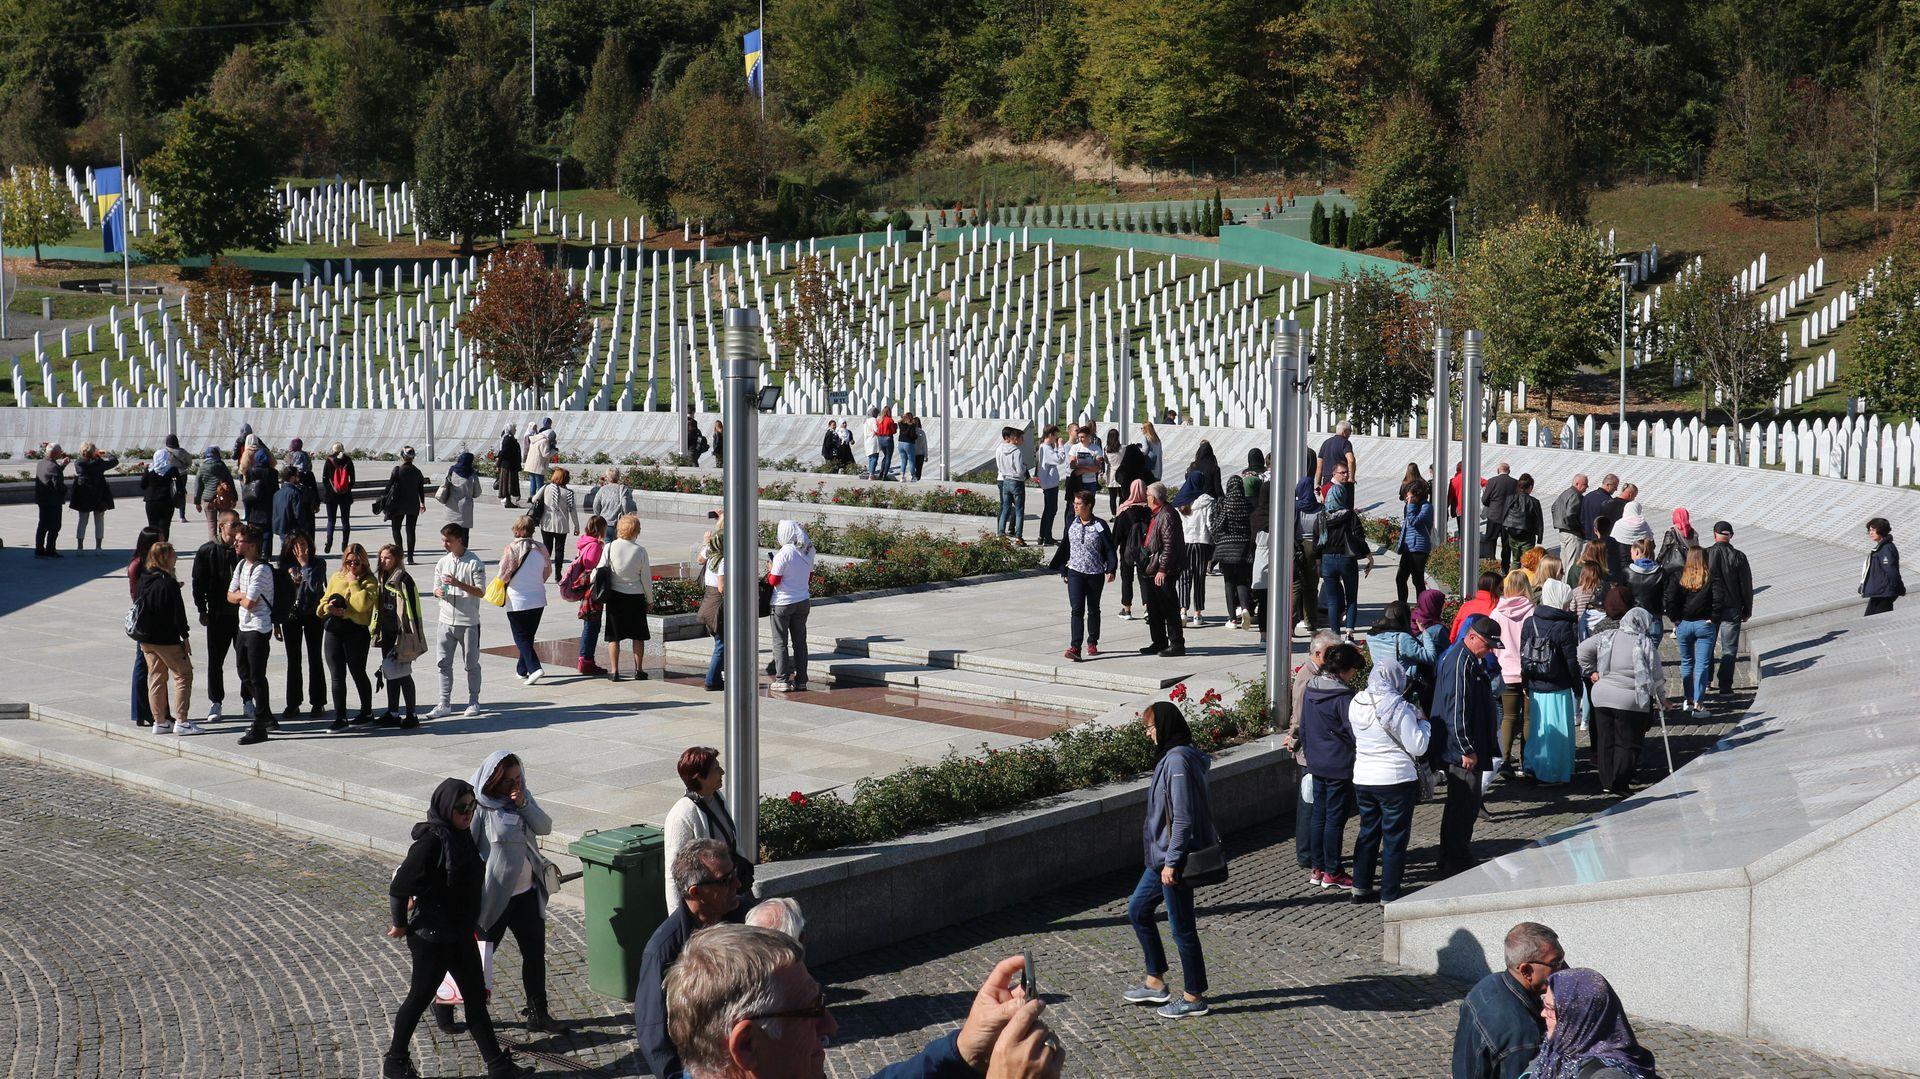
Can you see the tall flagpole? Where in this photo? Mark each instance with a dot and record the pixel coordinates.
(763, 61)
(126, 233)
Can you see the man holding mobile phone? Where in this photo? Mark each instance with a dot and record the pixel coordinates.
(251, 590)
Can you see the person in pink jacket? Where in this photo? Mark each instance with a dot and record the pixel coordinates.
(587, 550)
(1511, 611)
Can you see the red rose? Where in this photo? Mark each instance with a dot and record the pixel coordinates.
(796, 798)
(1179, 692)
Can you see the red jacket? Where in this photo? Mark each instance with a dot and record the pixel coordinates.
(884, 427)
(1481, 603)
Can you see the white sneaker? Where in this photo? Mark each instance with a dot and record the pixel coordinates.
(213, 713)
(1126, 614)
(1301, 629)
(163, 728)
(440, 711)
(472, 712)
(534, 678)
(188, 726)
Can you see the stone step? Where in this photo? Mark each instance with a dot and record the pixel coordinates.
(972, 685)
(1051, 667)
(254, 787)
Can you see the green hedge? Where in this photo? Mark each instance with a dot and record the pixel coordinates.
(954, 500)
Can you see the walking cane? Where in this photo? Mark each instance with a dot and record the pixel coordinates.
(1665, 740)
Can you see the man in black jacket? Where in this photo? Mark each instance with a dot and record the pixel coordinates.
(1594, 502)
(1166, 552)
(1496, 498)
(1732, 584)
(213, 566)
(703, 871)
(50, 495)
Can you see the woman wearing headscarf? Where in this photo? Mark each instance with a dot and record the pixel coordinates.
(791, 575)
(258, 485)
(1549, 651)
(1133, 467)
(1675, 544)
(336, 492)
(1179, 822)
(1130, 540)
(157, 492)
(507, 824)
(243, 442)
(540, 455)
(1233, 529)
(207, 496)
(434, 903)
(1588, 1035)
(1632, 526)
(458, 491)
(1622, 667)
(506, 471)
(1389, 736)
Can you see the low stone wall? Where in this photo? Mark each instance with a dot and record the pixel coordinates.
(868, 897)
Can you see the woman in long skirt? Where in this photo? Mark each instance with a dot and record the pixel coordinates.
(1553, 684)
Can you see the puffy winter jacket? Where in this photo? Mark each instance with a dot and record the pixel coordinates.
(1562, 633)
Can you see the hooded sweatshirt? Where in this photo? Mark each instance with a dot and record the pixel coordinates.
(1511, 613)
(506, 837)
(792, 570)
(1326, 736)
(1380, 708)
(442, 872)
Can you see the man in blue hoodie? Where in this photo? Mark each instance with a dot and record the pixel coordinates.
(1326, 737)
(1466, 708)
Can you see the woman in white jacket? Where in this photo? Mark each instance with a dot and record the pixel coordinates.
(1389, 736)
(703, 814)
(507, 824)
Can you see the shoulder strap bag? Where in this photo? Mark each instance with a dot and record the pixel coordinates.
(1421, 772)
(1206, 865)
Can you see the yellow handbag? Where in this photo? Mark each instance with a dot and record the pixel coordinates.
(497, 592)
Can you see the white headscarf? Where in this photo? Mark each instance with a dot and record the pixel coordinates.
(1555, 593)
(1387, 687)
(480, 778)
(791, 534)
(1633, 525)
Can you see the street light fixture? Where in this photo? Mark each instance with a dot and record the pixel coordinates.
(1625, 268)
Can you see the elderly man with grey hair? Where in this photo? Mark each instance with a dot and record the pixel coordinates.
(610, 499)
(1500, 1021)
(50, 495)
(1337, 450)
(703, 873)
(782, 915)
(744, 1007)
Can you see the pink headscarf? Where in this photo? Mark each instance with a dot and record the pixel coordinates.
(1683, 521)
(1136, 495)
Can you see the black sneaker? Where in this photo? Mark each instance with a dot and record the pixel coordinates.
(388, 719)
(1175, 650)
(338, 724)
(255, 734)
(362, 719)
(409, 722)
(1150, 649)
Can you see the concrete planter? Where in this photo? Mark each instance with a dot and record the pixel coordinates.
(864, 898)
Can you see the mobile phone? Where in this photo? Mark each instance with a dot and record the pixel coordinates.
(1029, 983)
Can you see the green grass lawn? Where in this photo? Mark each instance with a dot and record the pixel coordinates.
(26, 300)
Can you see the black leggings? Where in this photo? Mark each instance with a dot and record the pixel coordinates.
(398, 689)
(1413, 567)
(556, 549)
(409, 519)
(522, 916)
(431, 963)
(160, 518)
(305, 639)
(346, 648)
(1239, 581)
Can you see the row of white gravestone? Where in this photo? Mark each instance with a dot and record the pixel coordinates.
(1798, 289)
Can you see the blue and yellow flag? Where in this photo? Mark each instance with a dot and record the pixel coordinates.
(751, 45)
(113, 211)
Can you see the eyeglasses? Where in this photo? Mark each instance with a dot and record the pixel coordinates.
(816, 1011)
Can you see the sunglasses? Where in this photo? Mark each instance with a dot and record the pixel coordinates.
(816, 1011)
(730, 878)
(465, 806)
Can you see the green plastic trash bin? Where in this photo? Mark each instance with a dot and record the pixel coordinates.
(625, 884)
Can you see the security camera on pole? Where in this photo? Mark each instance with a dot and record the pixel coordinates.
(739, 410)
(1282, 447)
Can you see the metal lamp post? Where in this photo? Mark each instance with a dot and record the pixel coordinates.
(1625, 266)
(1470, 434)
(739, 398)
(1281, 444)
(943, 362)
(1441, 434)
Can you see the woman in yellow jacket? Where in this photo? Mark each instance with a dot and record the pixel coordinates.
(351, 599)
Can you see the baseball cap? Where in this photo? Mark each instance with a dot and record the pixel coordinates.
(1722, 528)
(1487, 628)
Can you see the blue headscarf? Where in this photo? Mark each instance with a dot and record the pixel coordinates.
(1303, 500)
(463, 465)
(164, 463)
(214, 465)
(261, 460)
(1589, 1023)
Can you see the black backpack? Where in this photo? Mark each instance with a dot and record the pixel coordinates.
(1537, 658)
(281, 608)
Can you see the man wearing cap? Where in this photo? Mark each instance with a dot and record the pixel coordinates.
(1732, 583)
(1465, 706)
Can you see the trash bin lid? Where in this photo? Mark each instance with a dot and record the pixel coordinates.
(617, 847)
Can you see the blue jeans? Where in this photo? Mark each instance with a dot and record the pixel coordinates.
(534, 480)
(885, 445)
(1013, 508)
(1696, 657)
(1340, 591)
(714, 663)
(524, 625)
(142, 710)
(1386, 822)
(1083, 597)
(589, 636)
(1147, 897)
(906, 460)
(1727, 636)
(1329, 821)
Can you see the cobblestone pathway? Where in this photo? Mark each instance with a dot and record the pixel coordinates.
(143, 938)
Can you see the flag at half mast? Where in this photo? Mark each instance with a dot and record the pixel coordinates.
(112, 207)
(750, 44)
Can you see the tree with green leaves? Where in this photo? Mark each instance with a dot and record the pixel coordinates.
(1541, 291)
(822, 331)
(38, 210)
(1405, 174)
(1821, 165)
(465, 184)
(1043, 97)
(1889, 115)
(1885, 357)
(1752, 134)
(719, 162)
(1377, 363)
(1520, 154)
(1172, 76)
(30, 128)
(1317, 228)
(246, 89)
(1724, 338)
(1337, 228)
(642, 171)
(213, 179)
(872, 124)
(605, 112)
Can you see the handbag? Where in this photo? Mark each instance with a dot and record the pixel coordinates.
(537, 511)
(1208, 864)
(1423, 774)
(133, 621)
(601, 586)
(496, 592)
